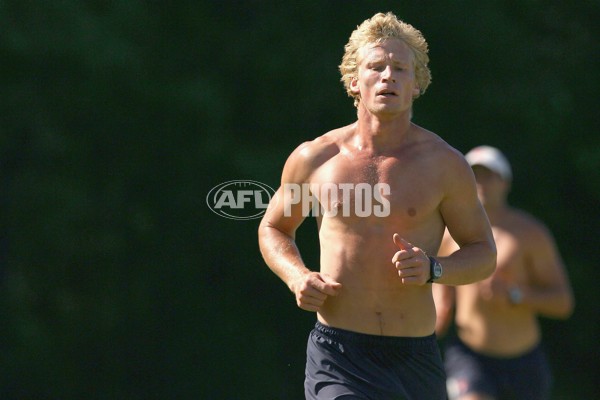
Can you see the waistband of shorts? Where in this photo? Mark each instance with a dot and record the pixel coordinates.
(404, 342)
(457, 341)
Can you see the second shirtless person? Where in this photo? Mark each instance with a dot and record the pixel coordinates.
(372, 293)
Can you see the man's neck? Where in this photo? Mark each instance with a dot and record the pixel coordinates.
(378, 133)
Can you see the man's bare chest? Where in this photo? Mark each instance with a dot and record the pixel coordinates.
(359, 182)
(511, 259)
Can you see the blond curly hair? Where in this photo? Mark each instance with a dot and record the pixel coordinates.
(376, 30)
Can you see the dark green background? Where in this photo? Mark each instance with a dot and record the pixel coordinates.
(118, 117)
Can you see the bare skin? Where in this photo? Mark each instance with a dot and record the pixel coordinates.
(486, 319)
(373, 270)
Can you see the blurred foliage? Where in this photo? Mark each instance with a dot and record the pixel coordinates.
(117, 117)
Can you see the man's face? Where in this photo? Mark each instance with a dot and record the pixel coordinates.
(386, 77)
(491, 188)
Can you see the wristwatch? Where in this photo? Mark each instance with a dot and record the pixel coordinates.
(435, 270)
(515, 295)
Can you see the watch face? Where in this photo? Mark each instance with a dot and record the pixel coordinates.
(437, 269)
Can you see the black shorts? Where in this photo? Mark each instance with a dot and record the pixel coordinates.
(341, 364)
(524, 377)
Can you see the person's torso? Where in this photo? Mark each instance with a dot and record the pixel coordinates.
(365, 200)
(499, 328)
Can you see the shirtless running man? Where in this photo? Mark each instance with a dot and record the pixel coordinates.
(372, 293)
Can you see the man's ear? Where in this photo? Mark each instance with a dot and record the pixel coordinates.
(416, 91)
(354, 86)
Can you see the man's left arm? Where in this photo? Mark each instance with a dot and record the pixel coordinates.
(548, 291)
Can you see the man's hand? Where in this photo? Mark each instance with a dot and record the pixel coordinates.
(312, 290)
(411, 262)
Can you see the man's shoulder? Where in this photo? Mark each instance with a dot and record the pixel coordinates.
(324, 146)
(526, 224)
(309, 155)
(442, 157)
(530, 232)
(435, 143)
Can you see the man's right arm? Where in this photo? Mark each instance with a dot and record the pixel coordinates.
(277, 234)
